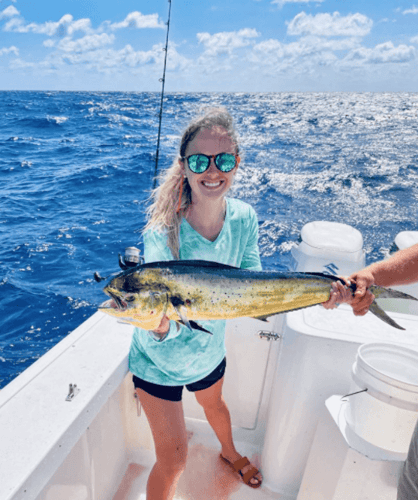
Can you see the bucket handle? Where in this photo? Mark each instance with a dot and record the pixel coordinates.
(352, 394)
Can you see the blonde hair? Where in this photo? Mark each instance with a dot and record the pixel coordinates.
(173, 196)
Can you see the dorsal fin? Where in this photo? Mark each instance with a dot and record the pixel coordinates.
(186, 263)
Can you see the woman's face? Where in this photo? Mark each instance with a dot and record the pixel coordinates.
(212, 183)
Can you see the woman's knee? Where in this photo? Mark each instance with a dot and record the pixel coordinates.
(173, 456)
(214, 403)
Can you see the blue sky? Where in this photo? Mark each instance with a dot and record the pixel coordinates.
(216, 45)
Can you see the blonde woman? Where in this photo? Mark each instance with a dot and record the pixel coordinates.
(191, 218)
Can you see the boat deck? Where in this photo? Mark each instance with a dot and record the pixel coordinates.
(206, 477)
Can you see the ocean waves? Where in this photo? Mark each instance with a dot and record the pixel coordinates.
(77, 170)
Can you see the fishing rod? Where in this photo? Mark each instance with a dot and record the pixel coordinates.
(132, 257)
(162, 80)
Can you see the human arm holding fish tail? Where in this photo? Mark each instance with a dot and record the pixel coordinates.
(400, 269)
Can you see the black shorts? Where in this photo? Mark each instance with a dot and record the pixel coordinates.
(173, 393)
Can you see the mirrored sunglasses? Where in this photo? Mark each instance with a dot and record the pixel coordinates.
(199, 163)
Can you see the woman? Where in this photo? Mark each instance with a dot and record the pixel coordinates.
(191, 218)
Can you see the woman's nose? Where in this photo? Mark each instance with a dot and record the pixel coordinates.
(212, 166)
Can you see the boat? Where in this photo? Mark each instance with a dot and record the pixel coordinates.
(72, 429)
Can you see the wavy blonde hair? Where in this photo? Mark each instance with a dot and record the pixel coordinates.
(168, 209)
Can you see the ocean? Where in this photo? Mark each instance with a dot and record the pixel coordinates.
(76, 170)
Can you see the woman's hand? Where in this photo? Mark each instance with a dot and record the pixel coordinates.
(363, 297)
(339, 293)
(163, 327)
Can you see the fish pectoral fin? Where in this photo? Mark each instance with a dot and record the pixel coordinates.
(183, 317)
(194, 326)
(380, 313)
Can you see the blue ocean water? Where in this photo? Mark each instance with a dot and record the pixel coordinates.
(76, 170)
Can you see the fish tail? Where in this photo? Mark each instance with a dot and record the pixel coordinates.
(388, 293)
(380, 313)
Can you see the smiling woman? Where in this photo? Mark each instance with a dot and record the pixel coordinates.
(191, 219)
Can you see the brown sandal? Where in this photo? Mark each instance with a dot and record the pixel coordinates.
(239, 465)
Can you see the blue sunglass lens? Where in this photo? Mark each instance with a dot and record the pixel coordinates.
(225, 162)
(198, 163)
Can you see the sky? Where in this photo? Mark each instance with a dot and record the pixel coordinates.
(214, 45)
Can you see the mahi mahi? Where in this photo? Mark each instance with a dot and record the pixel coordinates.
(189, 291)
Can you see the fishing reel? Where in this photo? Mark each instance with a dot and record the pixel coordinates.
(131, 259)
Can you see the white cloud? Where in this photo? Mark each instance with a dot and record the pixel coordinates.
(412, 10)
(92, 56)
(330, 25)
(382, 53)
(280, 3)
(306, 46)
(80, 25)
(138, 20)
(226, 42)
(414, 39)
(9, 11)
(85, 44)
(8, 50)
(66, 25)
(305, 55)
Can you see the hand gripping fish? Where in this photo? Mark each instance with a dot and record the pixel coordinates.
(189, 291)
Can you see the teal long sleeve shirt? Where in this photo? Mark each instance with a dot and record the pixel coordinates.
(185, 357)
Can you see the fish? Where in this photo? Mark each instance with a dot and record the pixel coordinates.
(188, 291)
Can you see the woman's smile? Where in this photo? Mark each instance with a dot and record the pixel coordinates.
(212, 185)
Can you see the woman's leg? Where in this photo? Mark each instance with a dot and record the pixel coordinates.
(219, 418)
(166, 419)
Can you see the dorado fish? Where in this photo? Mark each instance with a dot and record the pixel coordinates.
(189, 291)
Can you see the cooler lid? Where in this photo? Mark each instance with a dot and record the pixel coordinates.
(340, 323)
(332, 236)
(406, 239)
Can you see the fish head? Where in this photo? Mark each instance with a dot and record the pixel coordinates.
(136, 301)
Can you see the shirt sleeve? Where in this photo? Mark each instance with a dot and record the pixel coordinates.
(156, 250)
(251, 257)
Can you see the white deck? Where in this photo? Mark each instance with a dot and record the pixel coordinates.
(206, 477)
(97, 447)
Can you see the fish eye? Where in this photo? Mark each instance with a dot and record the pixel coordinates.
(129, 298)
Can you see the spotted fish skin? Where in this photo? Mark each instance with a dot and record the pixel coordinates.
(189, 291)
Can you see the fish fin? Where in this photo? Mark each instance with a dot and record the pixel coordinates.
(194, 326)
(380, 313)
(173, 264)
(388, 293)
(262, 318)
(183, 317)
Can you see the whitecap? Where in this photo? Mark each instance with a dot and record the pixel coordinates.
(57, 119)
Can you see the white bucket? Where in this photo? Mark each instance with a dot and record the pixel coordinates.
(386, 414)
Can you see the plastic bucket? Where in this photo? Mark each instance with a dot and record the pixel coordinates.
(386, 414)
